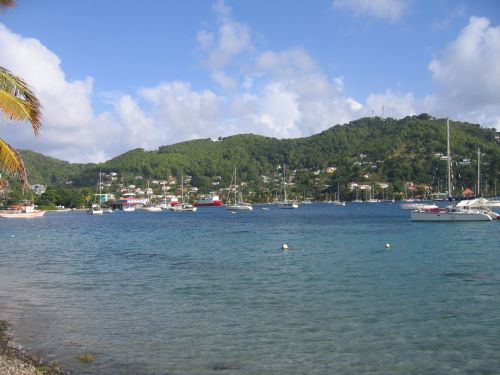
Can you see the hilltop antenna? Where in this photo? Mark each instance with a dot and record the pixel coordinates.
(383, 110)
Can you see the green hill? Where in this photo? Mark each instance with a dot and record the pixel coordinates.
(367, 150)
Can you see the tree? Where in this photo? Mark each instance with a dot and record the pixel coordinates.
(18, 103)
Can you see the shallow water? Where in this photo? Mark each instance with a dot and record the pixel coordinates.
(212, 292)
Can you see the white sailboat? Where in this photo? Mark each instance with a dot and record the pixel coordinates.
(149, 206)
(452, 213)
(95, 208)
(286, 203)
(337, 201)
(479, 202)
(182, 206)
(238, 203)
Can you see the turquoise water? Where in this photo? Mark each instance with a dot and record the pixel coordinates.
(212, 292)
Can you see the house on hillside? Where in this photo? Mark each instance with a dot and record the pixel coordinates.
(38, 189)
(468, 193)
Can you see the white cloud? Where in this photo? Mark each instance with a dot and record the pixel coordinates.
(285, 63)
(385, 9)
(70, 128)
(224, 80)
(279, 111)
(281, 94)
(467, 76)
(139, 128)
(468, 71)
(181, 113)
(391, 104)
(231, 38)
(275, 93)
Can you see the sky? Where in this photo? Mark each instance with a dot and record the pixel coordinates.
(116, 75)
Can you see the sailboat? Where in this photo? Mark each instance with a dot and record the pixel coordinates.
(238, 203)
(479, 202)
(286, 203)
(451, 213)
(149, 207)
(182, 206)
(95, 208)
(337, 201)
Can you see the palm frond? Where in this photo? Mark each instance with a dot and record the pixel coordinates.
(11, 162)
(6, 3)
(17, 101)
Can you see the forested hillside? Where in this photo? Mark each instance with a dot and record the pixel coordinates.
(367, 150)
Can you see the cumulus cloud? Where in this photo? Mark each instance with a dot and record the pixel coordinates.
(280, 93)
(229, 40)
(468, 70)
(393, 104)
(275, 93)
(182, 113)
(70, 128)
(467, 77)
(384, 9)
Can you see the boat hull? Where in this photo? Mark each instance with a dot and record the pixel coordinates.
(417, 206)
(152, 209)
(288, 205)
(212, 201)
(239, 207)
(213, 204)
(183, 208)
(23, 215)
(449, 216)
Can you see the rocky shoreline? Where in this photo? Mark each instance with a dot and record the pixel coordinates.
(16, 361)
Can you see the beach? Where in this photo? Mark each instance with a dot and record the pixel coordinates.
(16, 361)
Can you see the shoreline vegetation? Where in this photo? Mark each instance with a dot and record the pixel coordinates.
(17, 361)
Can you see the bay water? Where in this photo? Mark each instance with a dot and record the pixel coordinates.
(212, 292)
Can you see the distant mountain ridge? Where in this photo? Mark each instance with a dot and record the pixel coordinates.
(389, 150)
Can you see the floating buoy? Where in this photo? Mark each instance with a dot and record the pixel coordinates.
(387, 245)
(284, 247)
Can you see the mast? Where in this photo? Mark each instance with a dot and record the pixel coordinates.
(448, 157)
(478, 172)
(182, 189)
(284, 182)
(235, 199)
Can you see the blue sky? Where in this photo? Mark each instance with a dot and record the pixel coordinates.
(117, 75)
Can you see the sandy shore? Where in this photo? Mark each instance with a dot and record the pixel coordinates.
(15, 361)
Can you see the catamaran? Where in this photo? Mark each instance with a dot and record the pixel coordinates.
(454, 212)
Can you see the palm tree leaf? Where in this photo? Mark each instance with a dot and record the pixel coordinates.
(12, 107)
(12, 163)
(17, 101)
(6, 3)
